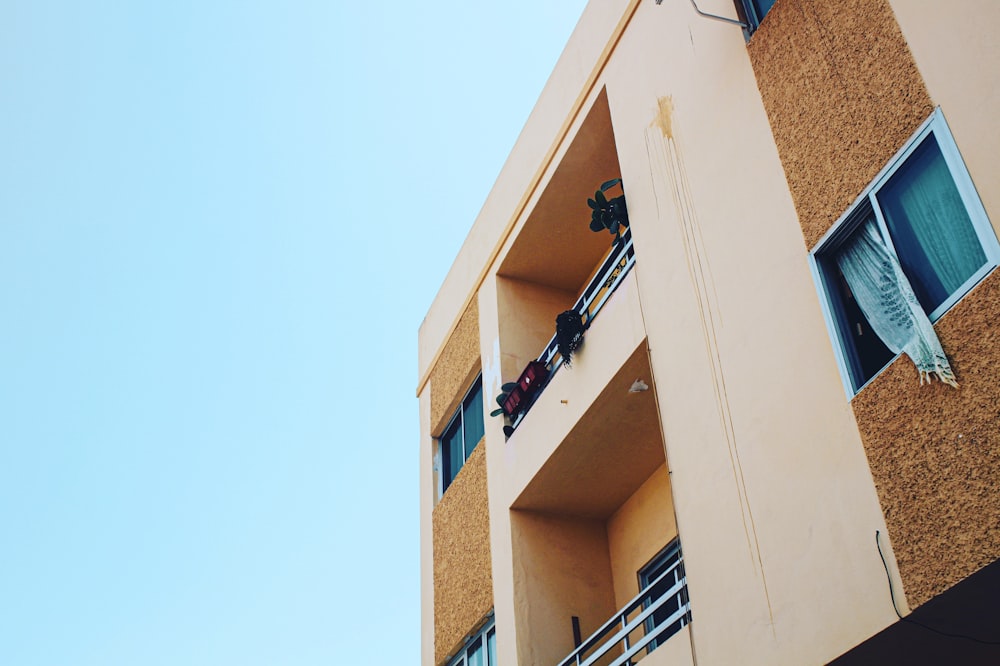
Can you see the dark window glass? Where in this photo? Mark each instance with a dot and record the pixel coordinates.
(866, 354)
(491, 647)
(452, 452)
(753, 11)
(475, 652)
(465, 430)
(762, 7)
(480, 649)
(668, 568)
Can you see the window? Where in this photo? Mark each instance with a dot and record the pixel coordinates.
(462, 434)
(916, 240)
(753, 11)
(664, 577)
(480, 649)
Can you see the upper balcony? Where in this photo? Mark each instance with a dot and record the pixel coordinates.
(557, 264)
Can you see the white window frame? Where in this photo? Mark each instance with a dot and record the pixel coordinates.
(484, 632)
(851, 219)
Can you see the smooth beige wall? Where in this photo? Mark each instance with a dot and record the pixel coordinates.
(637, 531)
(561, 569)
(775, 503)
(527, 321)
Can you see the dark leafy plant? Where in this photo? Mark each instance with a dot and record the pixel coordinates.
(502, 398)
(569, 334)
(609, 214)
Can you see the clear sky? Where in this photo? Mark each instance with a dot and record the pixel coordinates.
(221, 223)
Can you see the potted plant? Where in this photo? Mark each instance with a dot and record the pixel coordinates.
(610, 214)
(569, 334)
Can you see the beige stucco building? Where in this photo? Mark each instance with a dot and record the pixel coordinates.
(736, 468)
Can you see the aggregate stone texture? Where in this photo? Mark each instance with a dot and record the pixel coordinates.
(842, 93)
(463, 578)
(451, 375)
(934, 451)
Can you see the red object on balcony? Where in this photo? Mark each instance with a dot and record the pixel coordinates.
(513, 401)
(528, 384)
(532, 377)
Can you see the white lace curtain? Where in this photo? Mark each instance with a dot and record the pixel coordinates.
(885, 297)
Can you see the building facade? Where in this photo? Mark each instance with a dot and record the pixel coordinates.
(756, 455)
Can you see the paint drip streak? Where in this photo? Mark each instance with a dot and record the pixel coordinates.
(670, 159)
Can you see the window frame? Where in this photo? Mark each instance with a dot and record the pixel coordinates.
(647, 577)
(857, 213)
(457, 423)
(747, 11)
(482, 635)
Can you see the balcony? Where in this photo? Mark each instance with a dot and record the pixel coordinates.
(555, 262)
(658, 612)
(593, 508)
(602, 285)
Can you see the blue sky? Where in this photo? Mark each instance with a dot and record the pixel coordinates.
(221, 223)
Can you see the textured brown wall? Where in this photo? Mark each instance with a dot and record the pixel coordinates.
(935, 451)
(463, 578)
(842, 93)
(458, 361)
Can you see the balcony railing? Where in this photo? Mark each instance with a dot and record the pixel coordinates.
(656, 614)
(611, 273)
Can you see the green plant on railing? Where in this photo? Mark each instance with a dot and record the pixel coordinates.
(502, 398)
(609, 214)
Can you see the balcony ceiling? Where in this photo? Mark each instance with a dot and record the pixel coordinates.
(610, 452)
(556, 247)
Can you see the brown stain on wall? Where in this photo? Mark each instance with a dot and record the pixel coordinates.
(842, 93)
(453, 372)
(935, 451)
(463, 578)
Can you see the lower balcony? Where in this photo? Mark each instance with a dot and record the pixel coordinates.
(658, 612)
(598, 573)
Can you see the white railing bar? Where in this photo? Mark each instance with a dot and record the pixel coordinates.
(638, 599)
(647, 639)
(629, 607)
(585, 301)
(624, 269)
(635, 623)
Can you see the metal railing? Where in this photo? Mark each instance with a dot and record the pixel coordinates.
(615, 640)
(611, 273)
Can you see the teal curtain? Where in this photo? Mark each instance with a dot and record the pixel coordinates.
(472, 416)
(475, 654)
(937, 245)
(452, 452)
